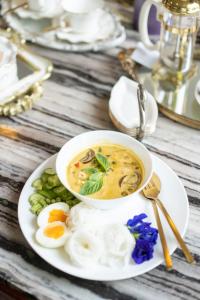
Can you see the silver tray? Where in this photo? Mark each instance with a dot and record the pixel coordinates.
(180, 104)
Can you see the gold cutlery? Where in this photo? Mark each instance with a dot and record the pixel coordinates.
(151, 192)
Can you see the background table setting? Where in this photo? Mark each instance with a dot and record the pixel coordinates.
(65, 83)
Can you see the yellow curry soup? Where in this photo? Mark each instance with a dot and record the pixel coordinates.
(105, 171)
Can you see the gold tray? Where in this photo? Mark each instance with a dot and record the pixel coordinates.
(32, 71)
(180, 104)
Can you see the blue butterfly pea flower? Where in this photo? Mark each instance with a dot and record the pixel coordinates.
(136, 219)
(143, 251)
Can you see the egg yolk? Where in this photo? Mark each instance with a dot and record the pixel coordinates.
(54, 232)
(57, 215)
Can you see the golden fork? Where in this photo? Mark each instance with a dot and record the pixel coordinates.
(151, 191)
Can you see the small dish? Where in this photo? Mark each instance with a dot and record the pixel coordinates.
(124, 109)
(102, 29)
(87, 140)
(173, 196)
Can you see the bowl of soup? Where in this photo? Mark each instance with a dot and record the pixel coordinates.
(104, 168)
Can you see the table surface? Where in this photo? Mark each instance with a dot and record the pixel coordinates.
(75, 101)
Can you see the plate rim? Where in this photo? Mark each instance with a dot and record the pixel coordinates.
(100, 278)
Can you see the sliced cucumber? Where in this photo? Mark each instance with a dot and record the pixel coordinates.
(37, 184)
(54, 181)
(50, 171)
(44, 178)
(35, 198)
(59, 190)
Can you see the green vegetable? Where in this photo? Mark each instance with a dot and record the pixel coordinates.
(50, 171)
(35, 198)
(93, 185)
(103, 161)
(47, 193)
(49, 190)
(54, 181)
(44, 178)
(90, 170)
(37, 184)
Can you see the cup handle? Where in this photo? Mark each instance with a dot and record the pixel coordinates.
(143, 23)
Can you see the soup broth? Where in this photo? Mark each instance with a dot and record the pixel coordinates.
(105, 171)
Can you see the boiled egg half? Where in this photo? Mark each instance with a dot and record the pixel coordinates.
(52, 213)
(52, 235)
(53, 232)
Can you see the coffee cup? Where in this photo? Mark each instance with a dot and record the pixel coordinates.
(81, 6)
(43, 5)
(83, 15)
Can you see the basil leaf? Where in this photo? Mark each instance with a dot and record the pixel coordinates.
(96, 176)
(90, 170)
(103, 161)
(91, 186)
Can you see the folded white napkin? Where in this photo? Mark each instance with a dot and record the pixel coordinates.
(145, 56)
(124, 106)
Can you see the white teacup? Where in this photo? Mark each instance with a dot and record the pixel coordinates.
(85, 23)
(8, 65)
(43, 5)
(83, 15)
(81, 6)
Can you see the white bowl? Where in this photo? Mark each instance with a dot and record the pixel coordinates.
(89, 139)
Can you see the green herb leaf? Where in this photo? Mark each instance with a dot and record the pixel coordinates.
(96, 176)
(103, 161)
(93, 185)
(90, 170)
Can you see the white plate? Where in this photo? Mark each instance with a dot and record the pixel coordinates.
(32, 30)
(173, 196)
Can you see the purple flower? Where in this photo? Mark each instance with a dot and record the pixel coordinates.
(143, 251)
(151, 235)
(146, 237)
(136, 219)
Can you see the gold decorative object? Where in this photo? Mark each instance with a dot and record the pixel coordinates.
(38, 67)
(23, 102)
(182, 7)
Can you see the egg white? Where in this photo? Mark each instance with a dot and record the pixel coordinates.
(43, 217)
(48, 242)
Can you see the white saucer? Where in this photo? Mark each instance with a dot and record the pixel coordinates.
(173, 196)
(105, 29)
(34, 31)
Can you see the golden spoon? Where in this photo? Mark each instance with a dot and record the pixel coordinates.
(151, 192)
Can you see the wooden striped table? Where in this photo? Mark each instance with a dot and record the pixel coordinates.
(76, 100)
